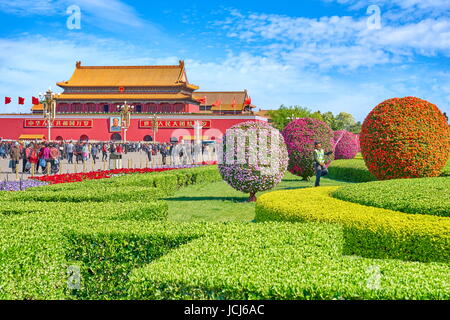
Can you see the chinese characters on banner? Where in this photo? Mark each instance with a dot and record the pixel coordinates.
(64, 123)
(185, 124)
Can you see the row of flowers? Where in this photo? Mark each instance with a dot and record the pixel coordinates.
(20, 185)
(94, 175)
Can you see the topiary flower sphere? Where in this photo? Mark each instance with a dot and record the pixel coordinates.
(300, 136)
(405, 138)
(346, 144)
(254, 157)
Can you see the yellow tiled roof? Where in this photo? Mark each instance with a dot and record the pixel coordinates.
(31, 137)
(37, 107)
(226, 97)
(228, 107)
(176, 96)
(263, 113)
(118, 76)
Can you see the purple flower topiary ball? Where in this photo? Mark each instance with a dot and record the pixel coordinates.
(300, 136)
(346, 144)
(253, 157)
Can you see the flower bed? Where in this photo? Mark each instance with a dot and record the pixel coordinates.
(20, 185)
(95, 175)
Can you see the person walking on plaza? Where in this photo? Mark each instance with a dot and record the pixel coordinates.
(119, 149)
(54, 159)
(104, 152)
(94, 152)
(148, 150)
(163, 150)
(34, 157)
(112, 148)
(3, 150)
(15, 156)
(62, 151)
(26, 154)
(89, 147)
(319, 162)
(78, 152)
(70, 148)
(44, 158)
(41, 159)
(85, 152)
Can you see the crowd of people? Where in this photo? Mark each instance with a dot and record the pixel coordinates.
(45, 156)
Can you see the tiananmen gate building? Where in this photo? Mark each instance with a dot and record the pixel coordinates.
(88, 107)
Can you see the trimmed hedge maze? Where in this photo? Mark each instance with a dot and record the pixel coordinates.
(125, 248)
(421, 196)
(370, 232)
(355, 170)
(281, 261)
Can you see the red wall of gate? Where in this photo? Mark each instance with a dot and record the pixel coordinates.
(12, 127)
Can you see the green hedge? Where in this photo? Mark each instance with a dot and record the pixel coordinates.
(99, 194)
(136, 187)
(353, 170)
(148, 210)
(368, 231)
(33, 242)
(123, 254)
(159, 260)
(106, 259)
(421, 196)
(167, 182)
(281, 261)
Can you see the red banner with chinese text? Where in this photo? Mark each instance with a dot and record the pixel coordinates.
(62, 123)
(173, 124)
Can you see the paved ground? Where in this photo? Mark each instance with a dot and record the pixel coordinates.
(130, 160)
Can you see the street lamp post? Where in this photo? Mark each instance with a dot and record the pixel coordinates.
(125, 112)
(198, 154)
(49, 102)
(154, 126)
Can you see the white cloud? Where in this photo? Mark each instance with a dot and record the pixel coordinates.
(106, 14)
(279, 59)
(338, 42)
(28, 67)
(29, 7)
(32, 64)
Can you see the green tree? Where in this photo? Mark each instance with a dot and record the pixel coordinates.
(356, 128)
(328, 117)
(344, 121)
(284, 115)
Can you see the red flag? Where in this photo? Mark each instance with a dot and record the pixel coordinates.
(248, 101)
(7, 100)
(202, 100)
(21, 100)
(34, 100)
(217, 103)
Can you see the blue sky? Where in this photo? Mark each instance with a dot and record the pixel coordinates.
(330, 55)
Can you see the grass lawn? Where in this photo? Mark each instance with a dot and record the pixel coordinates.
(218, 202)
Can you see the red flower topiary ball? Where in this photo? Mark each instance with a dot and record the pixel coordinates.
(300, 136)
(346, 144)
(405, 138)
